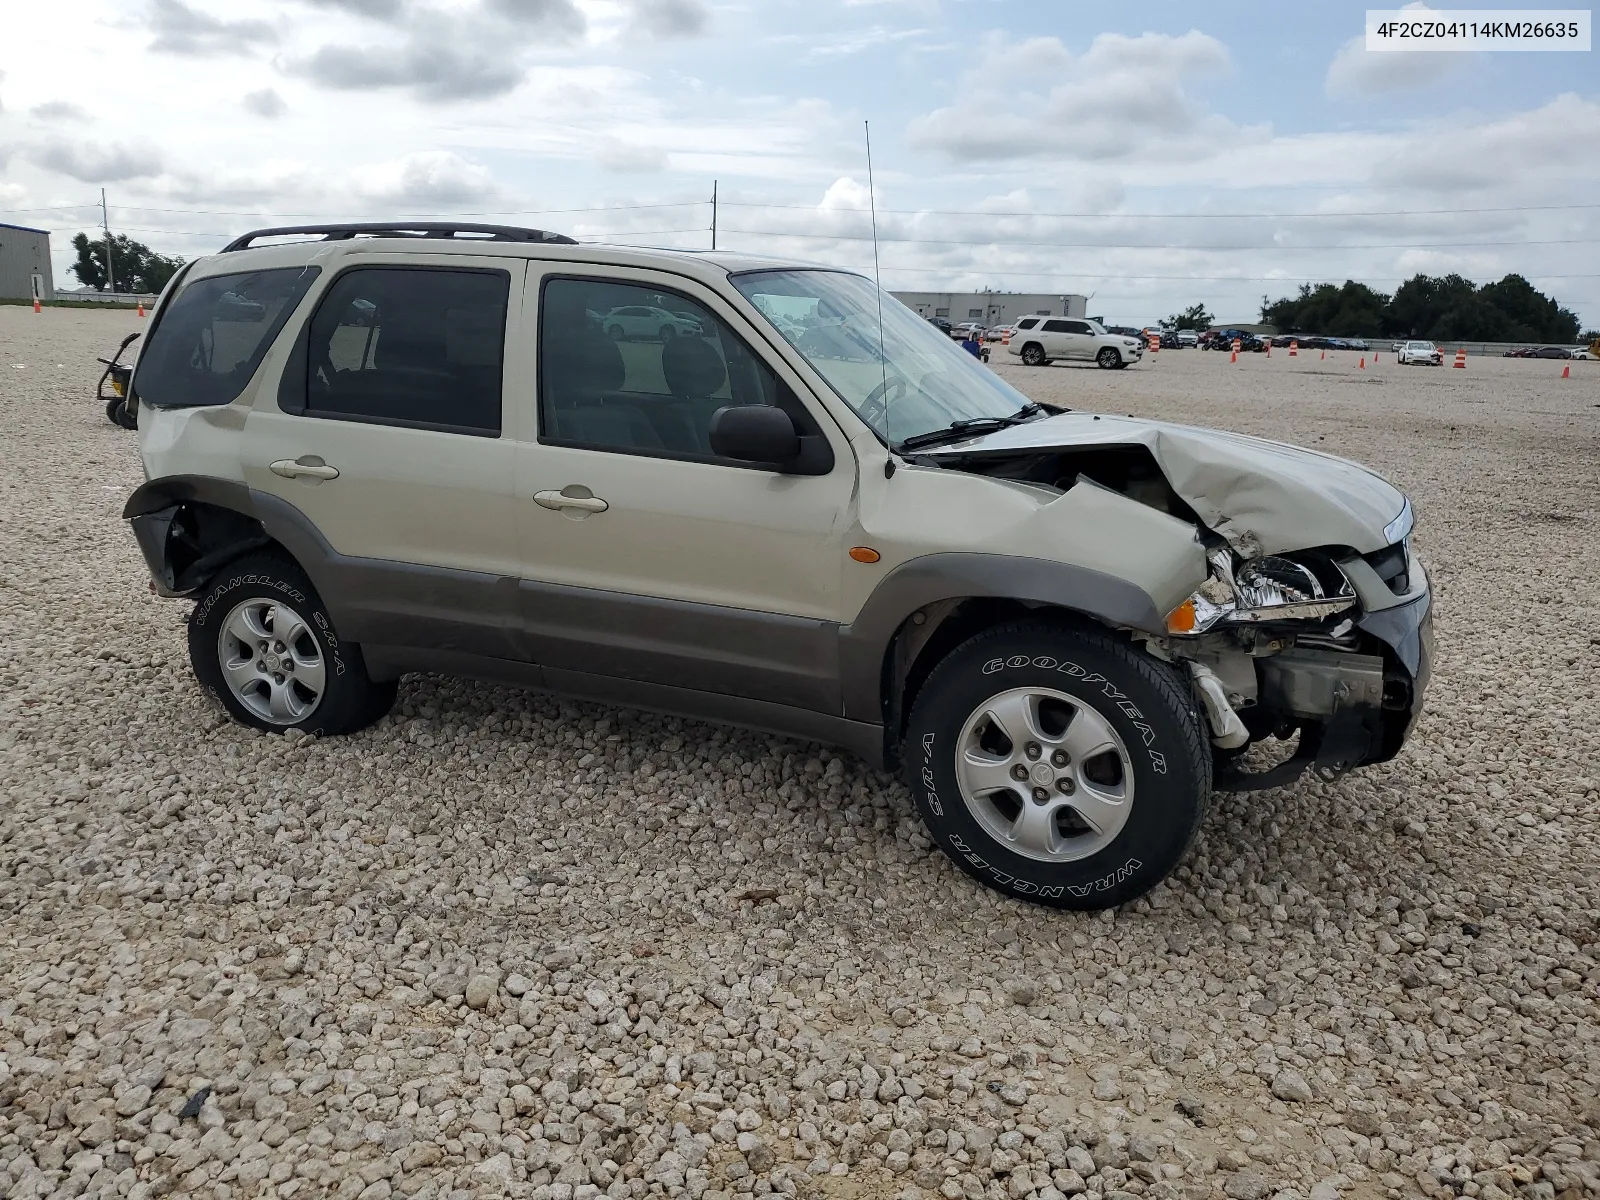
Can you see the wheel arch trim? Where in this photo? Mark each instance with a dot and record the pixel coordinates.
(868, 641)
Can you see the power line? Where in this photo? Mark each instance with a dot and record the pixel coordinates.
(1172, 216)
(979, 242)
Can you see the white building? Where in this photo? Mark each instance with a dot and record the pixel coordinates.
(990, 308)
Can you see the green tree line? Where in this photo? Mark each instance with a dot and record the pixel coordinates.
(1444, 309)
(134, 266)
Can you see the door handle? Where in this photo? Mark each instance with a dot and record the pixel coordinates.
(556, 501)
(307, 464)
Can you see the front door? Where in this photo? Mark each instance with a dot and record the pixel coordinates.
(645, 556)
(388, 440)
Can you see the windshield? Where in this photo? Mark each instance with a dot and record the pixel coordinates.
(922, 380)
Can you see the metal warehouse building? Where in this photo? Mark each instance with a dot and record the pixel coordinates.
(25, 272)
(991, 308)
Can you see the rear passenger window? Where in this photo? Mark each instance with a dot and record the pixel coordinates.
(214, 334)
(410, 346)
(1027, 322)
(1058, 327)
(630, 369)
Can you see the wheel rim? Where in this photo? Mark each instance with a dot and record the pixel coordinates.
(271, 661)
(1045, 774)
(1033, 356)
(1108, 357)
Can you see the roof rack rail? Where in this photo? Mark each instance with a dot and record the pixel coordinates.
(405, 229)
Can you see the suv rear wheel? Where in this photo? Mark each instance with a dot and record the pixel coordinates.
(1108, 358)
(1059, 765)
(262, 642)
(1033, 355)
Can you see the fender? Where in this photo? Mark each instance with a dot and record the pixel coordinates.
(934, 577)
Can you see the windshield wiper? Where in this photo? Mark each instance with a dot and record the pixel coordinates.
(969, 426)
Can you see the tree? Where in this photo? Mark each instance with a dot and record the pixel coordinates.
(1195, 317)
(1354, 310)
(134, 266)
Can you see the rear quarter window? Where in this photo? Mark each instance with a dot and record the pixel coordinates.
(209, 341)
(1027, 322)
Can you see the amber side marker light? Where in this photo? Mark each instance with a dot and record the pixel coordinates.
(864, 554)
(1182, 618)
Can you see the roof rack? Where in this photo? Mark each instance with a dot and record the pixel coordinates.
(405, 229)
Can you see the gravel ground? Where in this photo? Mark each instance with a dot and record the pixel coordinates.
(505, 945)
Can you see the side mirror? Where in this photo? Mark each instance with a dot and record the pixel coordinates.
(754, 433)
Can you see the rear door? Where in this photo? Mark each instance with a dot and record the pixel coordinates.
(1070, 339)
(385, 439)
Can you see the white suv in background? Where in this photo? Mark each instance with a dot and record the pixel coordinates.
(1041, 339)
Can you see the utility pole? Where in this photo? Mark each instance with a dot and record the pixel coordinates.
(713, 214)
(105, 223)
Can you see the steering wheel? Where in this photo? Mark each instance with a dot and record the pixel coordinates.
(874, 409)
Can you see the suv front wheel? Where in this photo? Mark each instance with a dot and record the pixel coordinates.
(261, 641)
(1108, 358)
(1058, 765)
(1033, 355)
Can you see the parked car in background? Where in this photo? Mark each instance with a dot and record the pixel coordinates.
(941, 324)
(1518, 352)
(1426, 353)
(648, 321)
(1584, 353)
(997, 333)
(1551, 352)
(1188, 339)
(1359, 344)
(959, 332)
(1169, 340)
(1040, 340)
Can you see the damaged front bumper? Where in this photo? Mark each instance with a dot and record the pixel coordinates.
(1352, 708)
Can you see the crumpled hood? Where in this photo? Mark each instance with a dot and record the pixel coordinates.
(1263, 497)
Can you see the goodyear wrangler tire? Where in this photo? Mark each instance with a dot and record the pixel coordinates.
(1058, 765)
(262, 643)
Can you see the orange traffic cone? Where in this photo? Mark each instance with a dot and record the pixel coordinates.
(1566, 372)
(1234, 357)
(1461, 359)
(1269, 349)
(1363, 362)
(1294, 349)
(141, 308)
(37, 307)
(1324, 354)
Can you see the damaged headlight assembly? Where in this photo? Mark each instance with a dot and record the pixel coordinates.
(1271, 588)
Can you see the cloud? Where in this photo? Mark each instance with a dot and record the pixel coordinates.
(1121, 99)
(857, 40)
(58, 110)
(1528, 145)
(94, 162)
(1357, 71)
(180, 29)
(474, 54)
(377, 10)
(559, 20)
(264, 103)
(427, 180)
(617, 155)
(438, 72)
(662, 19)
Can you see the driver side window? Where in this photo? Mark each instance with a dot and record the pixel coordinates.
(635, 369)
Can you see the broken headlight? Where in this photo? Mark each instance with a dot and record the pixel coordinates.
(1274, 587)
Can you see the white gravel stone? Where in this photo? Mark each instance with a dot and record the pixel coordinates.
(734, 964)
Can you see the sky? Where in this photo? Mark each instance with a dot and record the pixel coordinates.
(1151, 158)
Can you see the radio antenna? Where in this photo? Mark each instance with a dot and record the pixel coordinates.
(877, 282)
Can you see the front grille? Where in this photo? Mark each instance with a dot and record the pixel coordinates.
(1393, 566)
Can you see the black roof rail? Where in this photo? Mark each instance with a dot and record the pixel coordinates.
(405, 229)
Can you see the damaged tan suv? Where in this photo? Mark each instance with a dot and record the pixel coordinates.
(372, 450)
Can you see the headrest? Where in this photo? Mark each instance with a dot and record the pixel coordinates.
(582, 360)
(694, 370)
